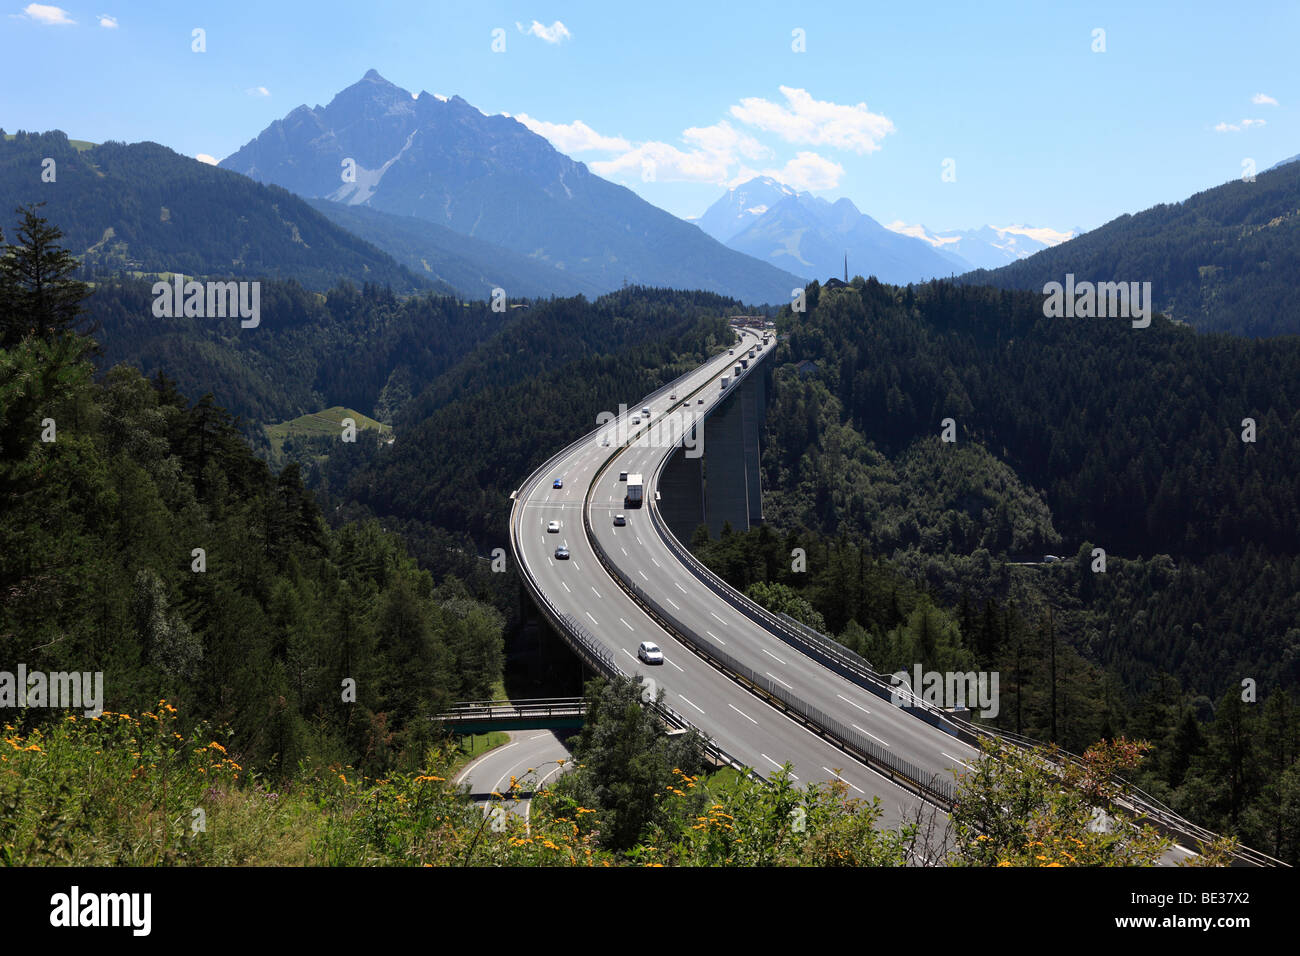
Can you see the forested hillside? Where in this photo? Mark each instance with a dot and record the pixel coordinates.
(140, 537)
(1070, 435)
(133, 208)
(464, 444)
(1224, 260)
(363, 348)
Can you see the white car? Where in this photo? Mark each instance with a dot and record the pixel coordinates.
(636, 421)
(553, 527)
(650, 653)
(620, 520)
(562, 553)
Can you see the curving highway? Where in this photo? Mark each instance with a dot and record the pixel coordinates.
(594, 609)
(743, 724)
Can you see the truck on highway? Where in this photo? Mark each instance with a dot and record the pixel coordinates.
(726, 380)
(635, 488)
(738, 370)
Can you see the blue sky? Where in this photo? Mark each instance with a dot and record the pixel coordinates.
(676, 100)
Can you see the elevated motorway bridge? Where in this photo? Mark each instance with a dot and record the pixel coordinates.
(761, 689)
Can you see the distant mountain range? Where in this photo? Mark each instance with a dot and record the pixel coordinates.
(491, 178)
(987, 247)
(470, 265)
(810, 236)
(143, 208)
(1224, 260)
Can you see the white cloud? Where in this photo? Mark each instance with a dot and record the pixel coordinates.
(107, 22)
(258, 91)
(1238, 127)
(556, 32)
(723, 139)
(816, 122)
(665, 162)
(575, 137)
(205, 158)
(48, 15)
(1263, 99)
(712, 151)
(808, 171)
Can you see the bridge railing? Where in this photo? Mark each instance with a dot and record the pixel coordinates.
(898, 770)
(856, 668)
(595, 654)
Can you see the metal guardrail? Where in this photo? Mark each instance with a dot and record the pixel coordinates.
(821, 648)
(588, 648)
(856, 744)
(536, 707)
(856, 668)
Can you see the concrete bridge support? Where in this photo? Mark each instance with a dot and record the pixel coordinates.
(724, 486)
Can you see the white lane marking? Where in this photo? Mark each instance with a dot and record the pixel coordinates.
(847, 701)
(577, 565)
(474, 763)
(771, 655)
(566, 586)
(689, 702)
(720, 620)
(642, 573)
(593, 620)
(638, 539)
(595, 592)
(778, 680)
(627, 625)
(775, 764)
(951, 757)
(680, 588)
(547, 498)
(674, 665)
(611, 497)
(673, 603)
(655, 563)
(742, 713)
(623, 549)
(869, 734)
(539, 736)
(842, 780)
(716, 638)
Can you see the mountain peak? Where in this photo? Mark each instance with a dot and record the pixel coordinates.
(373, 76)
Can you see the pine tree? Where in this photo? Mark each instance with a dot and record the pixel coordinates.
(38, 295)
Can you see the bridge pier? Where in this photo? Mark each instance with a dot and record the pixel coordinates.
(724, 486)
